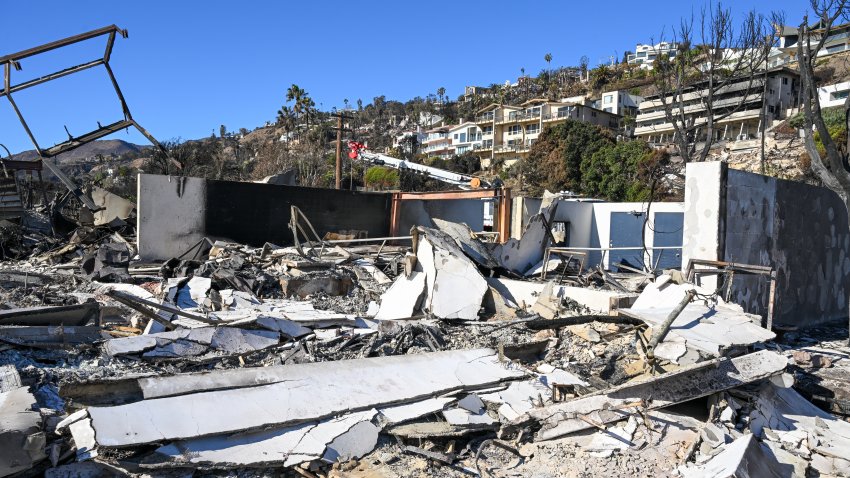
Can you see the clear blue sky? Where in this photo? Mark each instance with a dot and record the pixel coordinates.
(189, 66)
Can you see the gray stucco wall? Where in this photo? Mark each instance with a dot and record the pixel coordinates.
(798, 229)
(175, 213)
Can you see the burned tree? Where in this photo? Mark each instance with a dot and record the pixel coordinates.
(830, 162)
(712, 58)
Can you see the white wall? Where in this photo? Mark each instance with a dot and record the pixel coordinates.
(826, 94)
(590, 223)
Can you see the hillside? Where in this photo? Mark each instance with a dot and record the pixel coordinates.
(106, 148)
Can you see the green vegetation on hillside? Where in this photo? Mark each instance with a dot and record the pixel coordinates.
(587, 160)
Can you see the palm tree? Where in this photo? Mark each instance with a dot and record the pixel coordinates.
(296, 94)
(441, 92)
(548, 58)
(307, 106)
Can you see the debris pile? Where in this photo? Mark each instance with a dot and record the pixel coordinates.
(451, 357)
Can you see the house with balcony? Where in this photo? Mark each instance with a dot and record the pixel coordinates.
(737, 108)
(645, 55)
(507, 132)
(465, 137)
(438, 143)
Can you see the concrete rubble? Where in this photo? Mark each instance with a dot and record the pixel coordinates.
(441, 356)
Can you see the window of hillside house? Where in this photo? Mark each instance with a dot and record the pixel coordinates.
(609, 99)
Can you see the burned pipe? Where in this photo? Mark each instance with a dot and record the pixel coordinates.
(661, 332)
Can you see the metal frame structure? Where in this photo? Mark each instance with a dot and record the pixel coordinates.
(729, 269)
(13, 61)
(563, 252)
(502, 196)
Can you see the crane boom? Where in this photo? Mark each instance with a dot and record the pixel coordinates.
(358, 151)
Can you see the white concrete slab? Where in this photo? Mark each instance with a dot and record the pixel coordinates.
(410, 411)
(303, 392)
(403, 297)
(448, 271)
(517, 292)
(460, 416)
(84, 439)
(285, 445)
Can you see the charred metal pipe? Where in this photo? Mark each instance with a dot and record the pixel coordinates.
(661, 332)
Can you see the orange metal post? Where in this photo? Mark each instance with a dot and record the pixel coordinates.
(504, 215)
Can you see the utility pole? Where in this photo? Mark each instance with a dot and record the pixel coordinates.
(339, 130)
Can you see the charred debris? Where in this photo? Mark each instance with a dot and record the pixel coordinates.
(444, 352)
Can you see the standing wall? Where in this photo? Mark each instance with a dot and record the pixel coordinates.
(798, 229)
(175, 213)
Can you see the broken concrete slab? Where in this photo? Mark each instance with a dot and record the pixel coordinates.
(70, 315)
(410, 411)
(518, 398)
(84, 439)
(431, 430)
(521, 255)
(193, 342)
(300, 397)
(782, 411)
(462, 417)
(193, 293)
(471, 403)
(744, 457)
(448, 271)
(285, 446)
(667, 389)
(22, 440)
(710, 329)
(403, 297)
(58, 336)
(111, 206)
(614, 439)
(353, 444)
(520, 294)
(284, 326)
(233, 340)
(598, 301)
(471, 246)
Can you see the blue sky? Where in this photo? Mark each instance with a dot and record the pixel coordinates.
(188, 67)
